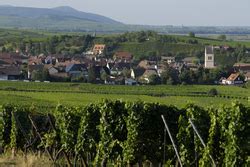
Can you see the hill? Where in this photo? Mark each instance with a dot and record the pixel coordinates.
(55, 18)
(65, 18)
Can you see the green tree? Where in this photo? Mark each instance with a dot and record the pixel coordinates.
(154, 79)
(191, 34)
(40, 75)
(212, 92)
(4, 49)
(222, 37)
(92, 74)
(169, 76)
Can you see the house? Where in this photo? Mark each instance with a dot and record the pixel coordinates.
(137, 73)
(247, 76)
(77, 70)
(123, 56)
(10, 73)
(168, 60)
(118, 67)
(11, 58)
(99, 49)
(242, 67)
(114, 80)
(130, 81)
(34, 60)
(61, 58)
(222, 81)
(53, 70)
(48, 60)
(226, 47)
(233, 79)
(191, 63)
(4, 62)
(147, 64)
(209, 57)
(149, 72)
(217, 47)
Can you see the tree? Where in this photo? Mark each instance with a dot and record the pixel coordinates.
(169, 76)
(126, 73)
(3, 49)
(104, 76)
(92, 74)
(154, 79)
(191, 34)
(40, 75)
(185, 76)
(222, 37)
(212, 92)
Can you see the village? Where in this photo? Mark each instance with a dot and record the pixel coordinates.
(94, 67)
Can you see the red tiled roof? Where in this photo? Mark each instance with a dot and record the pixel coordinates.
(242, 66)
(233, 76)
(123, 55)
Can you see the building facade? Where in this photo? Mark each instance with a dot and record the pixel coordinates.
(209, 57)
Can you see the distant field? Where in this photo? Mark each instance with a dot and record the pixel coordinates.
(234, 37)
(47, 95)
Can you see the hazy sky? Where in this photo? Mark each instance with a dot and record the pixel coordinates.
(157, 12)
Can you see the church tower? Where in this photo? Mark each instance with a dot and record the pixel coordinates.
(209, 57)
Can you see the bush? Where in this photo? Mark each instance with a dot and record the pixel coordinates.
(212, 92)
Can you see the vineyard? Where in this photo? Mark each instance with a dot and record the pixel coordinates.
(117, 133)
(49, 95)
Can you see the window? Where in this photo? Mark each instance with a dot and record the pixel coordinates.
(209, 58)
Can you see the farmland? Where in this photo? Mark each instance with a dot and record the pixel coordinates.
(80, 94)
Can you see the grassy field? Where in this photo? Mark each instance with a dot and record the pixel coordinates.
(47, 95)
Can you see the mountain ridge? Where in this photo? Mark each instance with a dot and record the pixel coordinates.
(61, 11)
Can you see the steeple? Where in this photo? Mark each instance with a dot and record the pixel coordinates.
(209, 57)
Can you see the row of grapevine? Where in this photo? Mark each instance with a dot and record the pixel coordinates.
(124, 134)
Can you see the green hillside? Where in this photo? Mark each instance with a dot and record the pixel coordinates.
(159, 48)
(141, 44)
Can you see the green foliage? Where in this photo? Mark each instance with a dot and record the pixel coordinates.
(190, 143)
(92, 74)
(213, 145)
(191, 34)
(1, 127)
(67, 125)
(154, 79)
(120, 133)
(235, 128)
(42, 75)
(13, 134)
(112, 129)
(7, 119)
(212, 92)
(222, 37)
(88, 135)
(132, 146)
(47, 95)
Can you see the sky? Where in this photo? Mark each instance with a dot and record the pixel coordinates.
(157, 12)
